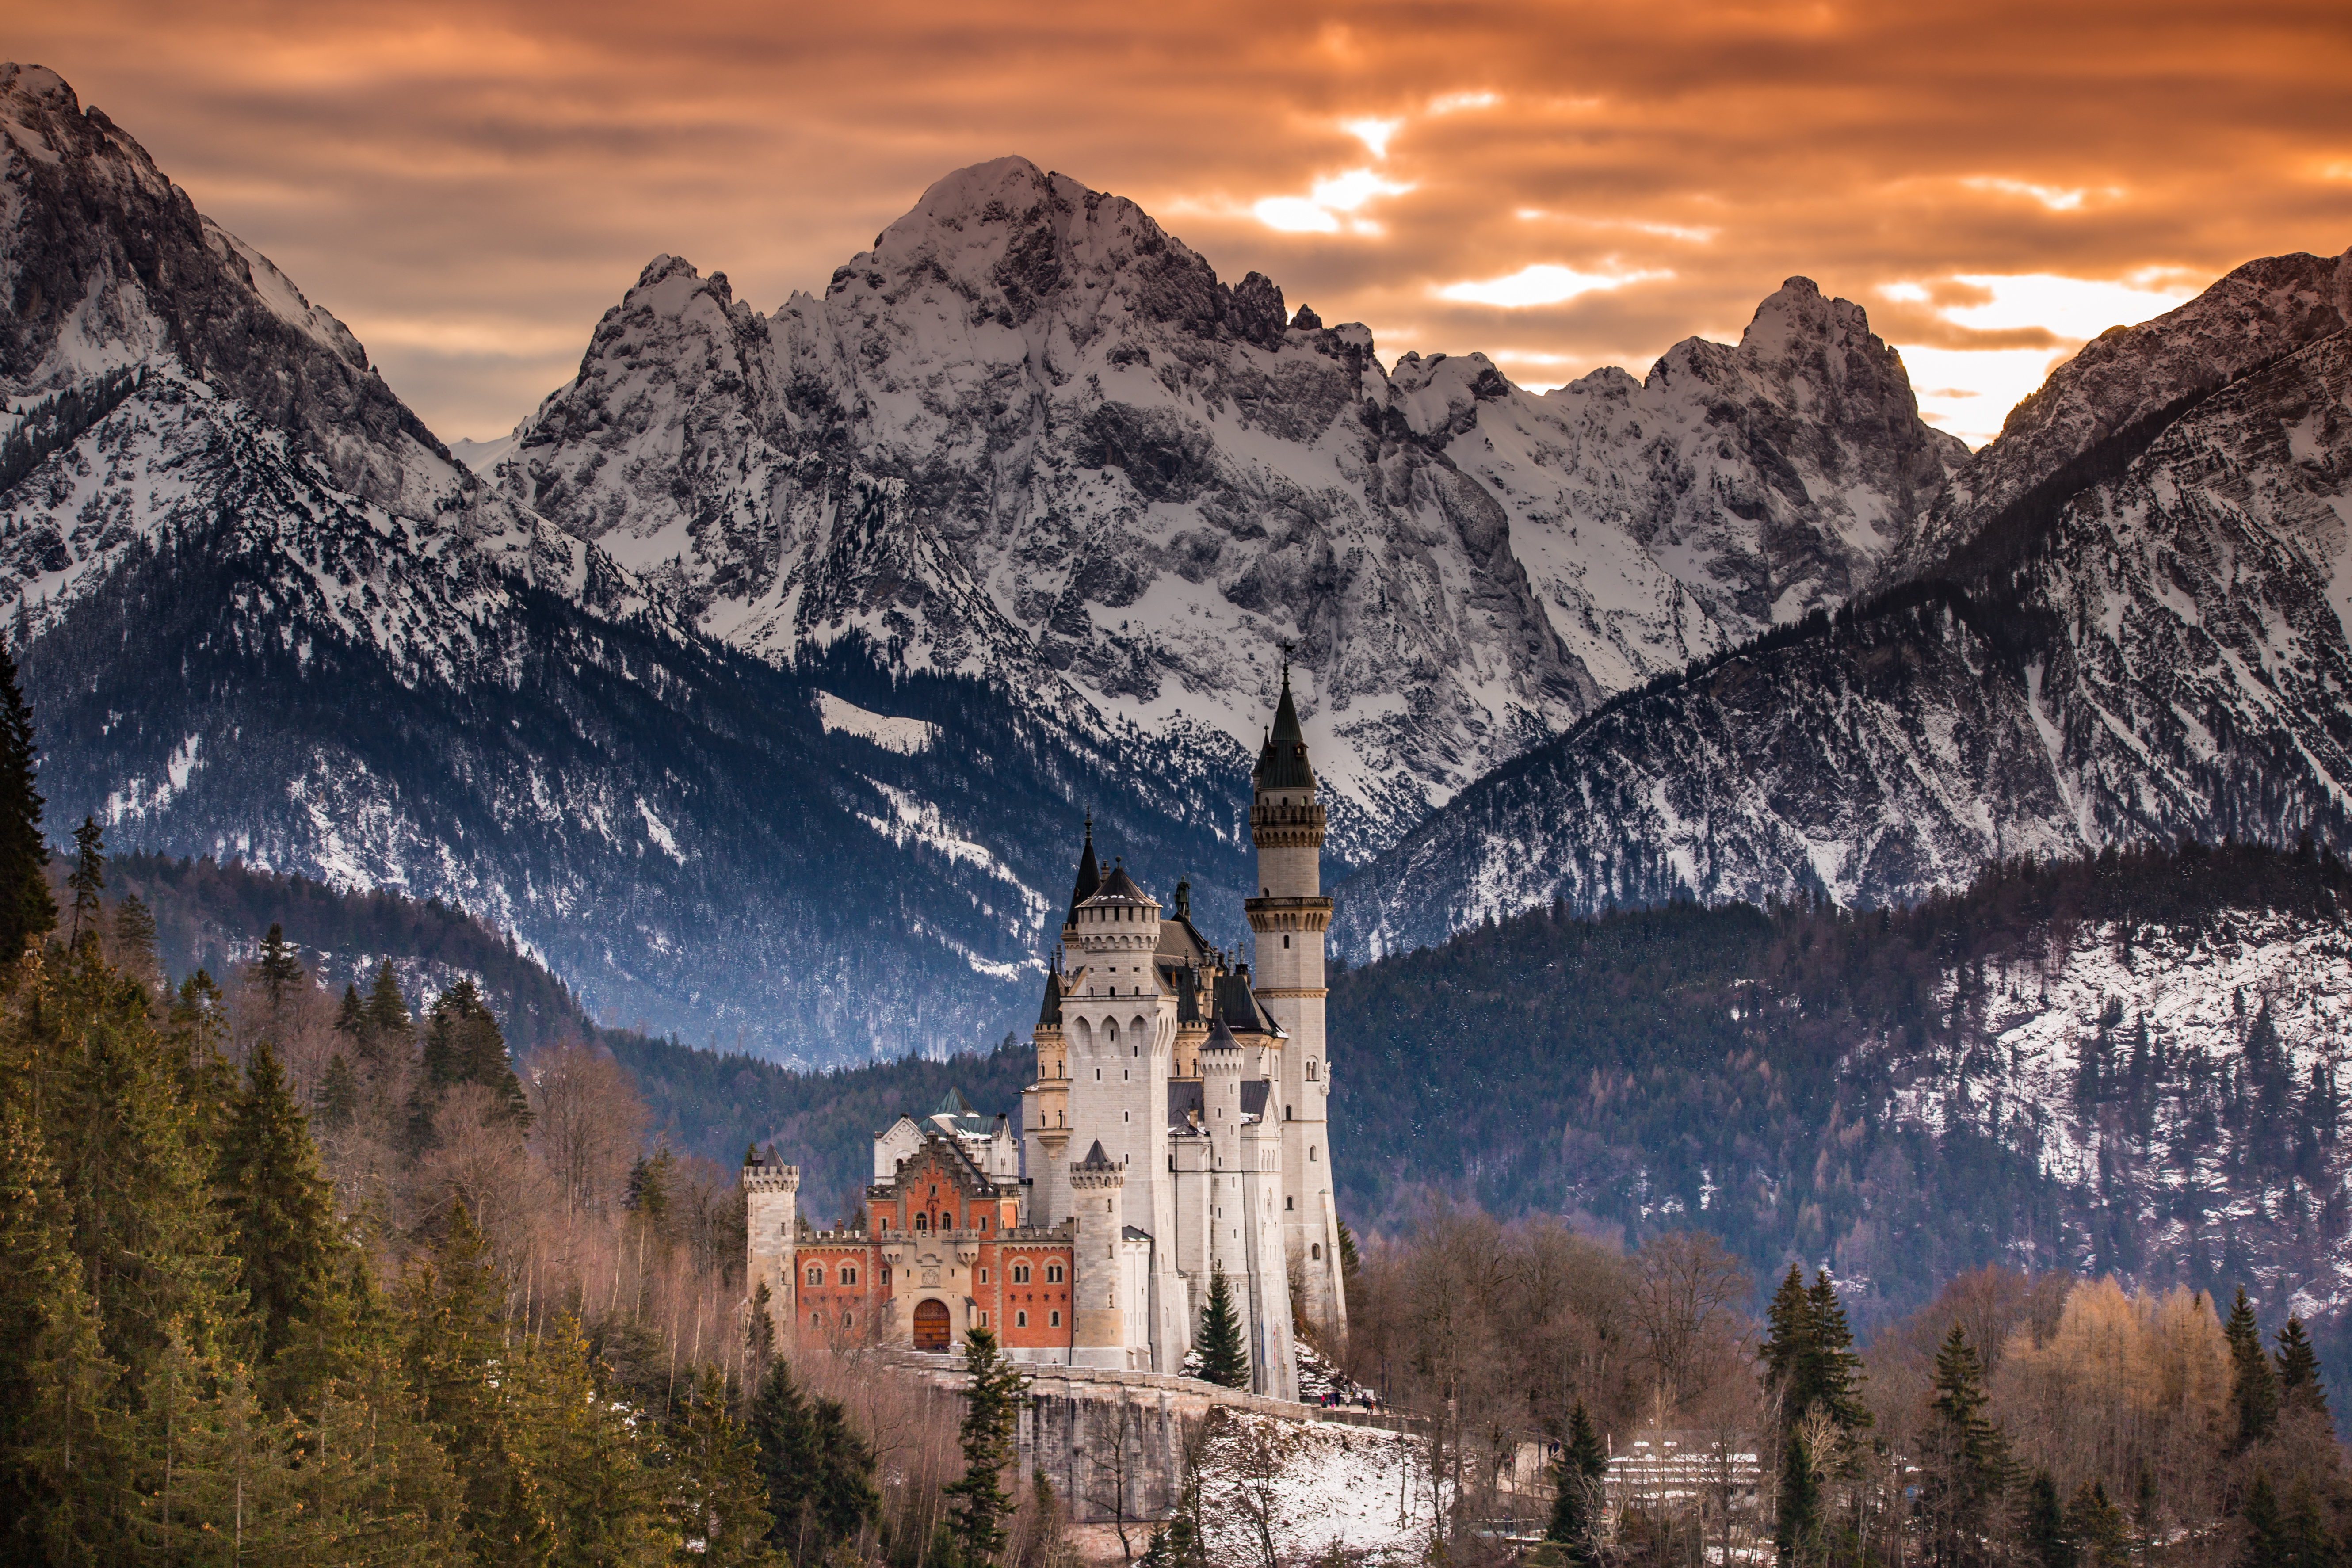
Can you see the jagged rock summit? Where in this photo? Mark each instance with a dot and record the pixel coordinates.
(2132, 627)
(1030, 435)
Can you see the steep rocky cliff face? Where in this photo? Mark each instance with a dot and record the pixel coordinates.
(1030, 431)
(2160, 652)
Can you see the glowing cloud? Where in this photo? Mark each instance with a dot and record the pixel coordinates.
(2057, 198)
(1372, 134)
(1320, 210)
(1541, 284)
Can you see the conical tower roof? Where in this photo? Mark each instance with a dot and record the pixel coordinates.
(1089, 875)
(1051, 1012)
(1281, 764)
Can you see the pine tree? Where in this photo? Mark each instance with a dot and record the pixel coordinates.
(28, 910)
(2266, 1545)
(279, 969)
(2299, 1384)
(339, 1096)
(134, 1160)
(1577, 1502)
(53, 1370)
(350, 1018)
(1789, 1344)
(463, 1045)
(1796, 1518)
(2101, 1539)
(818, 1474)
(1965, 1461)
(87, 880)
(389, 1024)
(280, 1213)
(135, 939)
(720, 1494)
(1835, 1370)
(2305, 1534)
(2046, 1540)
(991, 1405)
(454, 1353)
(1224, 1357)
(2253, 1386)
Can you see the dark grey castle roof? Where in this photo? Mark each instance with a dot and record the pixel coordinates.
(1283, 764)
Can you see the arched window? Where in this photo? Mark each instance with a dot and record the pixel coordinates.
(922, 1223)
(1315, 1251)
(1310, 1069)
(1052, 1274)
(1286, 1202)
(816, 1274)
(1020, 1274)
(816, 1320)
(1020, 1320)
(849, 1274)
(1053, 1320)
(1310, 1153)
(849, 1319)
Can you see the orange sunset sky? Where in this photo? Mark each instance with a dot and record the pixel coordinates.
(1561, 185)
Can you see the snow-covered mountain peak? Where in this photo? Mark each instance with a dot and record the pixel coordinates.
(1797, 320)
(2115, 396)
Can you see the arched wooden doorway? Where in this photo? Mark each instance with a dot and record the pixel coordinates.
(930, 1325)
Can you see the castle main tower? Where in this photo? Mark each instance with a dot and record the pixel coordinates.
(1291, 918)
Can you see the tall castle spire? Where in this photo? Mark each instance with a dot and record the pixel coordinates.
(1289, 918)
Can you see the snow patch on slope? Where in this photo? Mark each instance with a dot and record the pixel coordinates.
(907, 737)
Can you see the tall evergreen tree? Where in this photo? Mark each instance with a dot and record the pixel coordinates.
(2266, 1545)
(2304, 1534)
(1789, 1344)
(2299, 1384)
(720, 1494)
(135, 939)
(2043, 1529)
(28, 910)
(992, 1407)
(389, 1025)
(1577, 1502)
(2097, 1525)
(351, 1014)
(1797, 1514)
(817, 1472)
(1964, 1459)
(87, 880)
(463, 1045)
(1224, 1355)
(134, 1160)
(1835, 1370)
(280, 1212)
(53, 1370)
(278, 970)
(2253, 1386)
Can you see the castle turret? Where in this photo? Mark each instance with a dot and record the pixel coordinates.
(1290, 918)
(1098, 1287)
(1045, 1112)
(772, 1194)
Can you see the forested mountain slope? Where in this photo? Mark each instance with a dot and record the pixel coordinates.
(2150, 642)
(2126, 1062)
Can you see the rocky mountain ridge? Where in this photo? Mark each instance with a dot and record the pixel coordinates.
(2160, 651)
(1031, 431)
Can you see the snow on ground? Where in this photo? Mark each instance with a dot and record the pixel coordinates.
(1310, 1485)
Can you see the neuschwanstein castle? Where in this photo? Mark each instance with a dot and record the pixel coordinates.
(1177, 1126)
